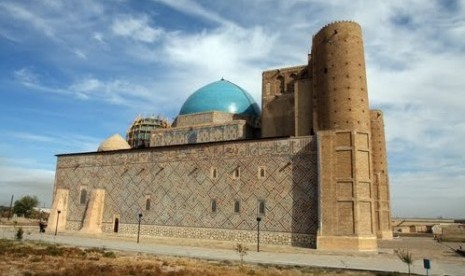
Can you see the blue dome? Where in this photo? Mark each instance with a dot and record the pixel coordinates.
(221, 96)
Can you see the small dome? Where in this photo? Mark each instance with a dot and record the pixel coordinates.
(222, 96)
(114, 142)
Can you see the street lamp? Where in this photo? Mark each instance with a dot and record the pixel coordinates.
(138, 228)
(258, 233)
(58, 218)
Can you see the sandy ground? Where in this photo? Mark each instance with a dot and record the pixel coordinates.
(444, 260)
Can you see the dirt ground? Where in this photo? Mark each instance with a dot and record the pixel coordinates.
(425, 248)
(35, 258)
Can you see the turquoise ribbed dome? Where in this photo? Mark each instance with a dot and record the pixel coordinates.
(221, 96)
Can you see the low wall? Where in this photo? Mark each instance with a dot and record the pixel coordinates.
(266, 237)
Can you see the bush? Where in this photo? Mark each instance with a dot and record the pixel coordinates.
(241, 250)
(54, 250)
(109, 254)
(19, 233)
(406, 257)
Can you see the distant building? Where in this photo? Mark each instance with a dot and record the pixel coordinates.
(311, 164)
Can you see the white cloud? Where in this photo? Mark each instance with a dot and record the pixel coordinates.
(113, 91)
(26, 76)
(61, 142)
(31, 137)
(99, 37)
(136, 28)
(194, 8)
(80, 53)
(230, 52)
(22, 13)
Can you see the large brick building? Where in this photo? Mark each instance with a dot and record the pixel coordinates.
(311, 164)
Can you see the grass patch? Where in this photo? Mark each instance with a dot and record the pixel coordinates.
(48, 259)
(54, 250)
(109, 254)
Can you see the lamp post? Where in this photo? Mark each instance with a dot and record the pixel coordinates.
(11, 206)
(138, 228)
(58, 219)
(258, 233)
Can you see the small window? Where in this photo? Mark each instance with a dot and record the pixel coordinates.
(261, 172)
(237, 206)
(237, 173)
(83, 196)
(213, 205)
(261, 207)
(147, 204)
(214, 173)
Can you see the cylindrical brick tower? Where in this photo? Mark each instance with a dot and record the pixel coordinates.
(380, 176)
(344, 139)
(339, 78)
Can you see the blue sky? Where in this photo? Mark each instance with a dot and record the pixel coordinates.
(73, 73)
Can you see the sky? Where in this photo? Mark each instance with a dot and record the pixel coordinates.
(72, 73)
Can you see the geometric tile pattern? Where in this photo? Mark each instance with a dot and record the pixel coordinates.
(178, 181)
(233, 130)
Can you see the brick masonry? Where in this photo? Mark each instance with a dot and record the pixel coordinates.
(178, 181)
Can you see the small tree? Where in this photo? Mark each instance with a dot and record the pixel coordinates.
(25, 205)
(19, 233)
(406, 257)
(241, 250)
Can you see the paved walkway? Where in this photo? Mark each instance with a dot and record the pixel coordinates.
(363, 261)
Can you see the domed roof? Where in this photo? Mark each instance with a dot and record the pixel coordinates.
(114, 142)
(222, 96)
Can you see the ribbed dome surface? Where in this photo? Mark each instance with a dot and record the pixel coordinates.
(114, 142)
(222, 96)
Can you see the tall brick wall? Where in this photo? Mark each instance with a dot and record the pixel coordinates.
(380, 176)
(303, 108)
(346, 193)
(180, 184)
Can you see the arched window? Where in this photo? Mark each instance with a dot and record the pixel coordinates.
(261, 207)
(116, 225)
(281, 83)
(213, 205)
(147, 204)
(83, 196)
(261, 172)
(237, 206)
(214, 173)
(236, 173)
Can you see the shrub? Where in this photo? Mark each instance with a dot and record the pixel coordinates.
(109, 254)
(241, 250)
(19, 233)
(54, 250)
(406, 257)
